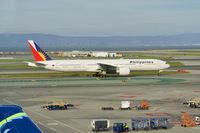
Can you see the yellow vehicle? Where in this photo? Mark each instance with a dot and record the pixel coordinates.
(57, 106)
(193, 102)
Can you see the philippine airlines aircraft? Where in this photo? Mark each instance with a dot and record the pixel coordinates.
(99, 66)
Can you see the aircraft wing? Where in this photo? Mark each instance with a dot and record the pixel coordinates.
(107, 67)
(14, 120)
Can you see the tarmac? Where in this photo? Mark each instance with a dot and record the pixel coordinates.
(166, 94)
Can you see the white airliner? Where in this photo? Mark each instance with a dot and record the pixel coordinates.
(99, 66)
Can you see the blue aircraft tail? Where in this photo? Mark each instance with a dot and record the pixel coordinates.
(14, 120)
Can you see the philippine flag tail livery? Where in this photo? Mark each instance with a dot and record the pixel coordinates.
(37, 52)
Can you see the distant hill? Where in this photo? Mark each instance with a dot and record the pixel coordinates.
(18, 42)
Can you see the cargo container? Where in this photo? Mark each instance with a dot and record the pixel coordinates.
(100, 125)
(142, 123)
(159, 123)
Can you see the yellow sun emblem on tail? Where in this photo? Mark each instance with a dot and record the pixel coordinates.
(42, 56)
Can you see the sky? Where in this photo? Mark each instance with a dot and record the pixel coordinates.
(100, 17)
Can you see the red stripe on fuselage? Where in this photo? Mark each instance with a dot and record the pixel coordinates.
(36, 54)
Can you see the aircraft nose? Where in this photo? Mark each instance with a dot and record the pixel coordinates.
(165, 66)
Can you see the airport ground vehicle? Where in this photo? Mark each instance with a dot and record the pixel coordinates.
(144, 105)
(125, 105)
(57, 106)
(120, 127)
(100, 125)
(187, 120)
(197, 120)
(142, 123)
(193, 102)
(107, 108)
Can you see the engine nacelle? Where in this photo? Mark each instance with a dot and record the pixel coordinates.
(123, 71)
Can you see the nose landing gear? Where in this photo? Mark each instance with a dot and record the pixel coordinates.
(159, 72)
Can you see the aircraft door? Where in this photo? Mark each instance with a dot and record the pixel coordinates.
(83, 65)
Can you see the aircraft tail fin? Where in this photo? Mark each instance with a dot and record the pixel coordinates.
(37, 52)
(14, 120)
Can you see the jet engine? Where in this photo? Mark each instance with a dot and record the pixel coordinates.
(123, 71)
